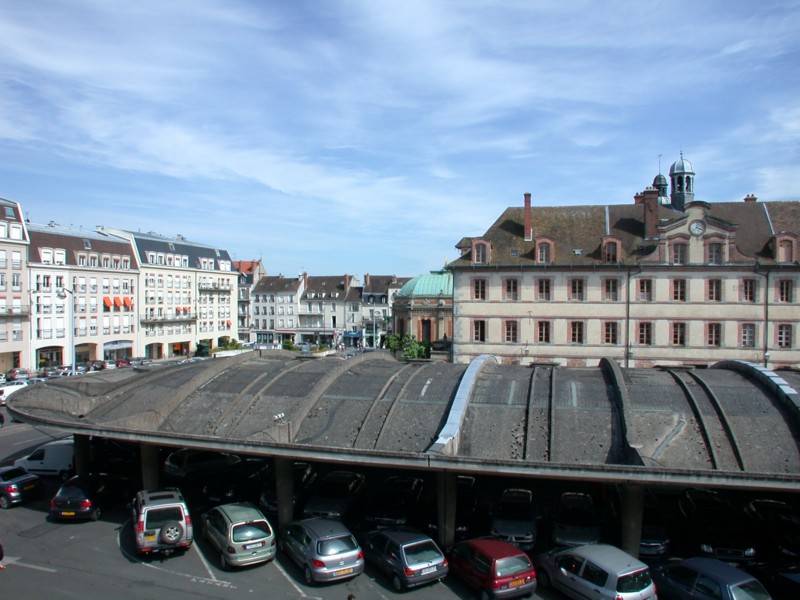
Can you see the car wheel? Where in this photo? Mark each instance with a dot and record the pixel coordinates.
(223, 562)
(485, 595)
(171, 533)
(544, 578)
(397, 583)
(4, 503)
(309, 577)
(96, 514)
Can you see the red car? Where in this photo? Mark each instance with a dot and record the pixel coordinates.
(495, 568)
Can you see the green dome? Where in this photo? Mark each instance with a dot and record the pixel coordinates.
(435, 283)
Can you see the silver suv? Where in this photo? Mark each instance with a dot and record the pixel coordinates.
(161, 521)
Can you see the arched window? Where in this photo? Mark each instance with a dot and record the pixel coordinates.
(785, 251)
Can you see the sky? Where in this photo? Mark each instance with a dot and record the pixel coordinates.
(370, 136)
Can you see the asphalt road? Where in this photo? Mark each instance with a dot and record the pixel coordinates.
(97, 560)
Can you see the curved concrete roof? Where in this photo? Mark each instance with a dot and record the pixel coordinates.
(736, 425)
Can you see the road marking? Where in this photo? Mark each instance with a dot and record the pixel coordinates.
(289, 579)
(207, 566)
(425, 387)
(15, 560)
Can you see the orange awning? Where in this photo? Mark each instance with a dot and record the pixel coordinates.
(127, 302)
(117, 301)
(229, 323)
(107, 301)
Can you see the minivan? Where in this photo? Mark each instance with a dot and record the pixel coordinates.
(240, 533)
(595, 571)
(54, 458)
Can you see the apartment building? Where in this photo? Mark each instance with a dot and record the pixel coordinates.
(666, 280)
(250, 272)
(15, 301)
(275, 308)
(378, 295)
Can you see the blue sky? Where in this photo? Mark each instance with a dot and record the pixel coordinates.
(364, 136)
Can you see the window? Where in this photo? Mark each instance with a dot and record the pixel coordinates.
(479, 331)
(749, 290)
(748, 335)
(479, 289)
(785, 290)
(715, 253)
(714, 290)
(714, 336)
(511, 289)
(679, 334)
(784, 336)
(511, 331)
(679, 290)
(543, 332)
(543, 253)
(785, 251)
(576, 332)
(480, 253)
(646, 333)
(543, 286)
(610, 252)
(612, 289)
(646, 290)
(611, 333)
(680, 252)
(576, 289)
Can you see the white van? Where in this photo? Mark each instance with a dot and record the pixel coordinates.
(54, 458)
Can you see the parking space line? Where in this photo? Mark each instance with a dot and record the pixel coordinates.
(297, 588)
(15, 560)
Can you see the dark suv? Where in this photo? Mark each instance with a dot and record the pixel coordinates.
(161, 521)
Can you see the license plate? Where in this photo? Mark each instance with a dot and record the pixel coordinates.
(343, 572)
(68, 513)
(253, 545)
(150, 538)
(427, 570)
(516, 582)
(29, 487)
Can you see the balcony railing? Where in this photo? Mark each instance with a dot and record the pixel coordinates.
(14, 311)
(168, 318)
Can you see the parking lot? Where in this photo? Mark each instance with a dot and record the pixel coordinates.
(99, 559)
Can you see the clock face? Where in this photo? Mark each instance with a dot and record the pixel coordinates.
(697, 227)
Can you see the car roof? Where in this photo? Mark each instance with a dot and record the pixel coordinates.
(324, 528)
(494, 548)
(609, 557)
(241, 511)
(719, 570)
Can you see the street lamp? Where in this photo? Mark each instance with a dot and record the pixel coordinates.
(61, 293)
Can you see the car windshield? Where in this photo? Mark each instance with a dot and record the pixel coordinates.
(515, 510)
(338, 545)
(70, 491)
(634, 582)
(422, 552)
(256, 530)
(13, 474)
(512, 565)
(158, 517)
(749, 590)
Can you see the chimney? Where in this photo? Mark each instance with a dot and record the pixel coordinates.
(750, 198)
(528, 233)
(650, 201)
(638, 198)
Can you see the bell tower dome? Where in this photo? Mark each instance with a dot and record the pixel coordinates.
(681, 176)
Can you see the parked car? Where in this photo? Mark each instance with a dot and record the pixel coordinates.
(240, 533)
(188, 463)
(597, 571)
(575, 520)
(98, 365)
(122, 362)
(410, 558)
(17, 486)
(514, 518)
(161, 521)
(715, 528)
(655, 540)
(242, 483)
(17, 373)
(335, 495)
(706, 578)
(324, 548)
(87, 497)
(395, 501)
(496, 569)
(782, 579)
(53, 458)
(778, 526)
(303, 475)
(7, 389)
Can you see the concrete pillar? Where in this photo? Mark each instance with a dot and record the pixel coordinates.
(446, 493)
(83, 454)
(632, 510)
(151, 466)
(284, 489)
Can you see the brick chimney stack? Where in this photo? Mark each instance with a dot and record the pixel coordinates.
(528, 233)
(750, 198)
(650, 202)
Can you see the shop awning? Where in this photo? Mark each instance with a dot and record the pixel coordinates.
(352, 334)
(107, 301)
(117, 301)
(127, 302)
(229, 323)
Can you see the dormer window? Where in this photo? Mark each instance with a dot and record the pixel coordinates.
(544, 253)
(610, 253)
(481, 254)
(787, 250)
(87, 245)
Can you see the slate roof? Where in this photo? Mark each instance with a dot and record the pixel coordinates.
(153, 242)
(72, 240)
(273, 284)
